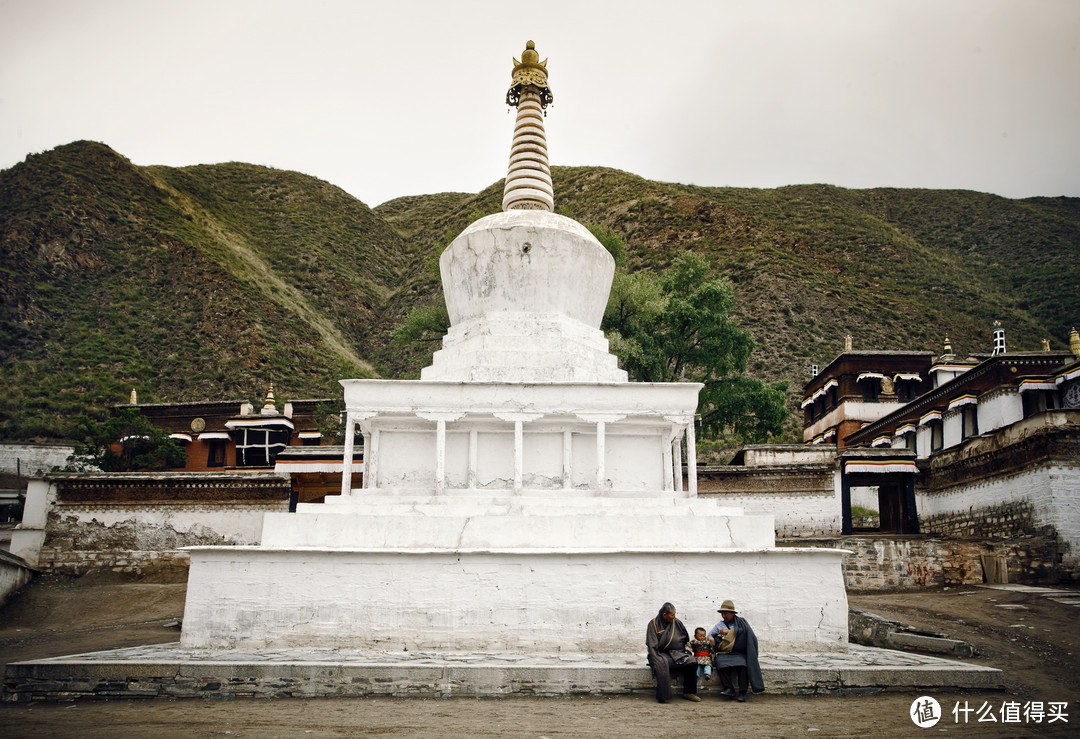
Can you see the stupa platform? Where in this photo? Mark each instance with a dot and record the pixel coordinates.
(167, 670)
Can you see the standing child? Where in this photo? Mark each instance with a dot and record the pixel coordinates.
(702, 651)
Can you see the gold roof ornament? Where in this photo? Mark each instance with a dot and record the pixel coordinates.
(1074, 342)
(269, 407)
(530, 72)
(134, 399)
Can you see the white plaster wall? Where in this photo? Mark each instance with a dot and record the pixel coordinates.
(952, 429)
(153, 527)
(31, 460)
(923, 441)
(1053, 490)
(798, 515)
(249, 598)
(28, 536)
(1001, 408)
(12, 577)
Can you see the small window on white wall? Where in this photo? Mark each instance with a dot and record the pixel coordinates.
(970, 421)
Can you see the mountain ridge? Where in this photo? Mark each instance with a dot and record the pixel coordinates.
(212, 281)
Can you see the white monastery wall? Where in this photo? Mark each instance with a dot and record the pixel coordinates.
(1051, 490)
(1000, 408)
(31, 460)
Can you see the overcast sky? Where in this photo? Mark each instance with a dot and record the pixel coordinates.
(405, 98)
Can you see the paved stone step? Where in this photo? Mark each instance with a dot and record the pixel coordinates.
(168, 670)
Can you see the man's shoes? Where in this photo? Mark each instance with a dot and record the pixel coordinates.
(741, 698)
(727, 693)
(691, 696)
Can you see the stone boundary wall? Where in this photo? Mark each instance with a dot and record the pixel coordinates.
(32, 460)
(804, 500)
(1040, 503)
(136, 523)
(914, 563)
(996, 521)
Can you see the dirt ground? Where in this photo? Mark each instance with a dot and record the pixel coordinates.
(1034, 640)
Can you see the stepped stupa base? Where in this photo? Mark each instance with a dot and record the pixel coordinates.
(167, 670)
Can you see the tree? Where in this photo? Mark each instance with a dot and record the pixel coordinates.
(678, 326)
(124, 442)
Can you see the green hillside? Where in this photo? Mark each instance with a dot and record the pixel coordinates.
(208, 282)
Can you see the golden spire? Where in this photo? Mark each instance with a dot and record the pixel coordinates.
(529, 72)
(269, 407)
(1074, 342)
(528, 179)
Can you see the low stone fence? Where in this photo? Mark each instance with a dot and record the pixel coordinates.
(804, 500)
(136, 523)
(897, 562)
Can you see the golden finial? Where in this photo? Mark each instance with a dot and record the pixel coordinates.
(948, 346)
(134, 400)
(1046, 345)
(847, 343)
(1074, 342)
(269, 407)
(529, 72)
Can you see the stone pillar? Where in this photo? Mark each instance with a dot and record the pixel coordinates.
(676, 461)
(367, 446)
(440, 420)
(518, 419)
(371, 461)
(669, 469)
(473, 454)
(346, 461)
(601, 471)
(519, 456)
(440, 457)
(691, 460)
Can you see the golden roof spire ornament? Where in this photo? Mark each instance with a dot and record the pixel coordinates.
(528, 180)
(1074, 342)
(269, 407)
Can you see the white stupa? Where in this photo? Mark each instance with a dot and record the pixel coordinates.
(522, 495)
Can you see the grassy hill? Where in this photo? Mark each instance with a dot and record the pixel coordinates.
(208, 282)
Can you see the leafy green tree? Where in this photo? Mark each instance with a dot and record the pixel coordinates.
(425, 323)
(678, 326)
(124, 442)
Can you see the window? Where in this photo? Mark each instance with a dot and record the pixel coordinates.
(937, 436)
(906, 390)
(871, 389)
(970, 419)
(259, 447)
(1038, 401)
(215, 457)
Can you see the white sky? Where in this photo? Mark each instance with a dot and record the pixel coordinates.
(405, 98)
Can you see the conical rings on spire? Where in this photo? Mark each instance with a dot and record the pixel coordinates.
(528, 179)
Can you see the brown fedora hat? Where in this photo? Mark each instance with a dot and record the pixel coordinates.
(727, 605)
